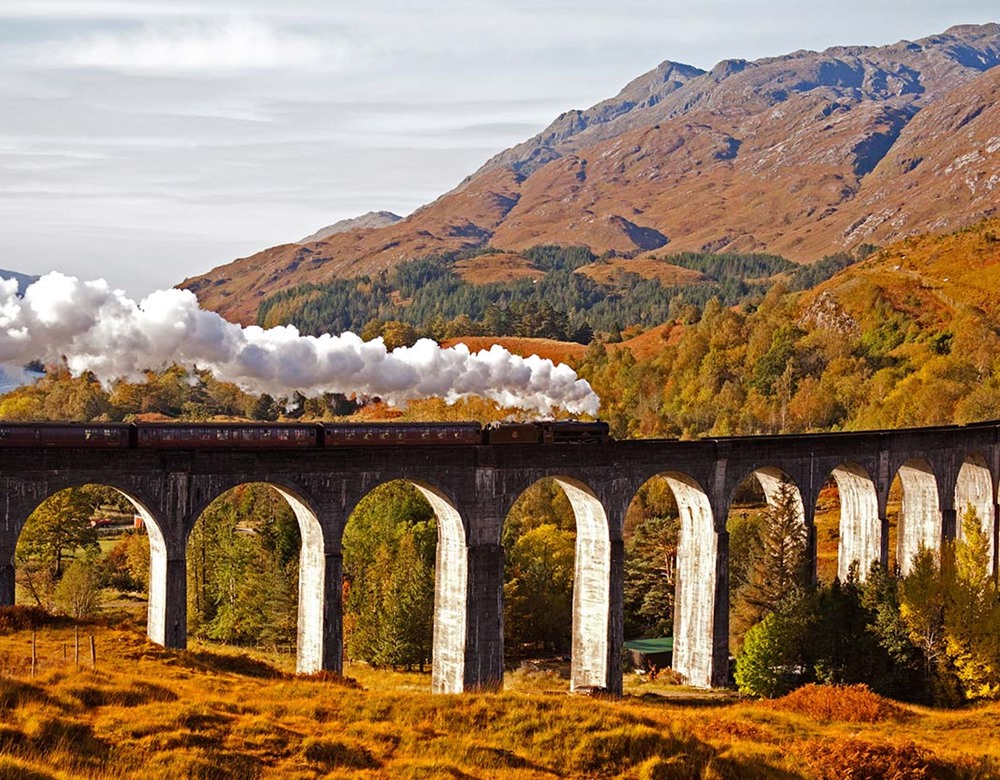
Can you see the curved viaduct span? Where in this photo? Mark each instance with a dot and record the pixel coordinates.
(472, 488)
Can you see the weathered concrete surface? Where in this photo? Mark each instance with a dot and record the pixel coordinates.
(974, 489)
(591, 590)
(451, 585)
(920, 515)
(697, 557)
(472, 490)
(860, 526)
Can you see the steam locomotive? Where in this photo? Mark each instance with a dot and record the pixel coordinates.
(293, 435)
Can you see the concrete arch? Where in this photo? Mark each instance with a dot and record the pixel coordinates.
(920, 515)
(591, 662)
(451, 584)
(311, 627)
(158, 627)
(974, 487)
(697, 586)
(860, 525)
(771, 479)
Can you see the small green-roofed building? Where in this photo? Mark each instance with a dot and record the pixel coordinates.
(649, 653)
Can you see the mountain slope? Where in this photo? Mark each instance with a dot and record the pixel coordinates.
(802, 155)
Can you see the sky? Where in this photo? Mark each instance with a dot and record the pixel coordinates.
(145, 141)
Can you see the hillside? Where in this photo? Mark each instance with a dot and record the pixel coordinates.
(802, 155)
(151, 713)
(907, 337)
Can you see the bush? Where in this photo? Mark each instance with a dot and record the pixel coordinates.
(767, 665)
(861, 760)
(78, 593)
(847, 703)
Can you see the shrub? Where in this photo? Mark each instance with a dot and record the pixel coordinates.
(767, 665)
(78, 593)
(860, 760)
(848, 703)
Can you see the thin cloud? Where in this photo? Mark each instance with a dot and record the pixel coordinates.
(235, 44)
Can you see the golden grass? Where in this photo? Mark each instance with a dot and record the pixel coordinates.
(147, 712)
(496, 267)
(607, 272)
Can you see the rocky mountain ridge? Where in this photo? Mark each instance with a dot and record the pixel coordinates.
(801, 155)
(373, 219)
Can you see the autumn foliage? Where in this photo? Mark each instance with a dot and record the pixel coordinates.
(842, 703)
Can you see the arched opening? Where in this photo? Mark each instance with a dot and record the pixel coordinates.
(919, 522)
(558, 554)
(405, 583)
(769, 551)
(974, 488)
(256, 573)
(91, 547)
(650, 535)
(695, 577)
(847, 524)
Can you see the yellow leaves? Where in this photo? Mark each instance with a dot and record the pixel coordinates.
(19, 408)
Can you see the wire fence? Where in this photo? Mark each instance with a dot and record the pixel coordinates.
(42, 654)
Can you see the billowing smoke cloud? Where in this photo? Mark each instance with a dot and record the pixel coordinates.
(101, 330)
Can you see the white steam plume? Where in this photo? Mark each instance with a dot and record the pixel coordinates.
(100, 330)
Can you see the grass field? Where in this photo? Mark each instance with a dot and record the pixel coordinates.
(146, 712)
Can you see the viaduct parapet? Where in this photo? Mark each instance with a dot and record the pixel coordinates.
(472, 488)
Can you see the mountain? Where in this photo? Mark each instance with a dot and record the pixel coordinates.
(802, 155)
(373, 219)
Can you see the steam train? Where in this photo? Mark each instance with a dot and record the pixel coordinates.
(293, 435)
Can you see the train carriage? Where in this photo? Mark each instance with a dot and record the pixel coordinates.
(226, 435)
(101, 435)
(378, 434)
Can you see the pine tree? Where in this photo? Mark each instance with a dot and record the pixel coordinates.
(780, 570)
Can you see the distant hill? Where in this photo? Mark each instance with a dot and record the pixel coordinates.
(373, 219)
(23, 280)
(802, 156)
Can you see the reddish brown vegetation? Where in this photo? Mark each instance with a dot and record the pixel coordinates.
(857, 759)
(845, 703)
(502, 267)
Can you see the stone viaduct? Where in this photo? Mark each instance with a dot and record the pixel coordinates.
(472, 488)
